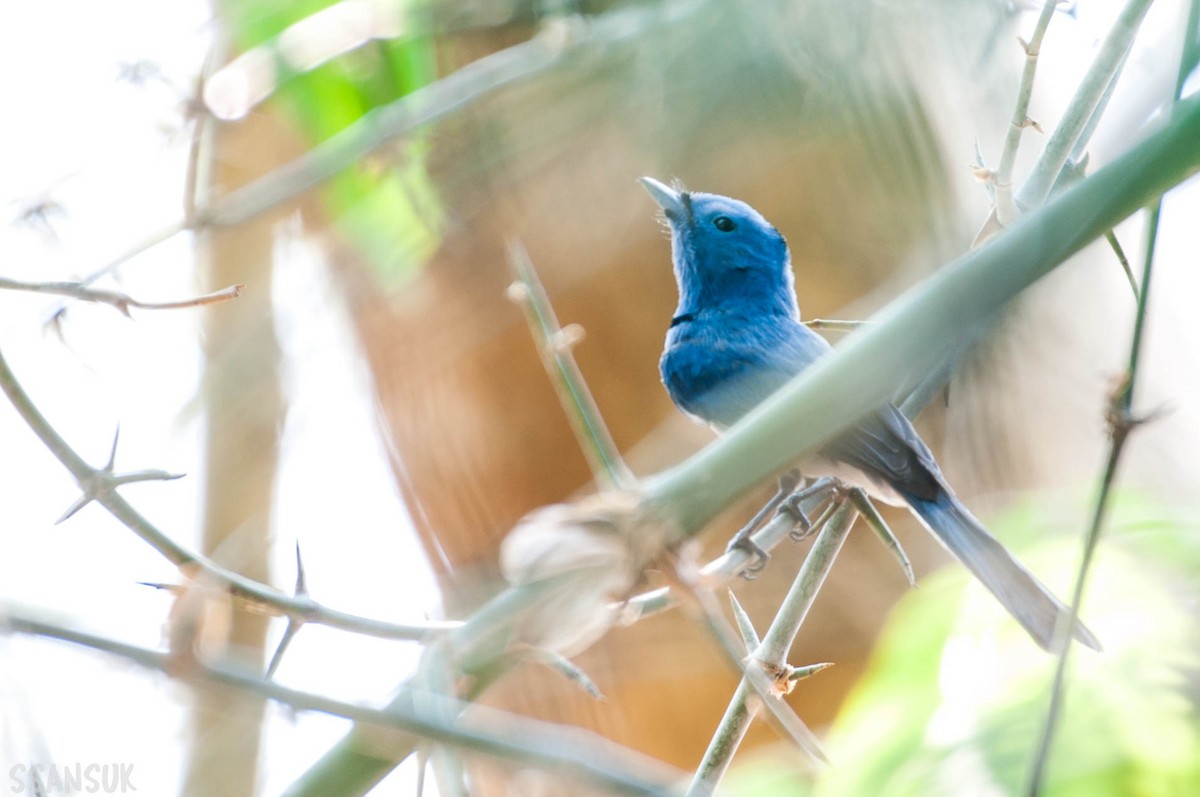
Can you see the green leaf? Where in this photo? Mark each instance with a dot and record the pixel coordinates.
(955, 694)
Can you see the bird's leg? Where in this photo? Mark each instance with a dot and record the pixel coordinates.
(794, 505)
(742, 540)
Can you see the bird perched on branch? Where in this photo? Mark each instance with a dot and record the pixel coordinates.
(736, 338)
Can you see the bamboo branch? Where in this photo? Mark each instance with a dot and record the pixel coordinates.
(117, 299)
(101, 487)
(771, 653)
(763, 685)
(1020, 119)
(1119, 251)
(721, 570)
(1083, 105)
(555, 345)
(833, 324)
(1121, 422)
(574, 752)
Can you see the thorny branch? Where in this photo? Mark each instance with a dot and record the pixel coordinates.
(1121, 422)
(507, 736)
(117, 299)
(99, 484)
(554, 344)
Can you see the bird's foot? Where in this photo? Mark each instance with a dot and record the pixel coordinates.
(794, 506)
(803, 528)
(758, 557)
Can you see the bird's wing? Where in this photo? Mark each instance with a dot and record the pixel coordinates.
(886, 446)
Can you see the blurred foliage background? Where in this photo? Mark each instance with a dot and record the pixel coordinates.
(425, 135)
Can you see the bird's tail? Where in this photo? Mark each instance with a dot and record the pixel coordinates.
(1026, 598)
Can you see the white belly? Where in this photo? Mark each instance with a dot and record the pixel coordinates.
(816, 466)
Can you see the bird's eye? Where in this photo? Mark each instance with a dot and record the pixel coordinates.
(724, 223)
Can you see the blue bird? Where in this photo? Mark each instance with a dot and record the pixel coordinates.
(736, 338)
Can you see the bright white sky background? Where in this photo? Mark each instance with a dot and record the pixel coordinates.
(102, 149)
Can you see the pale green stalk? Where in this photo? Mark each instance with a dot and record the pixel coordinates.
(1122, 422)
(1005, 212)
(772, 650)
(1083, 105)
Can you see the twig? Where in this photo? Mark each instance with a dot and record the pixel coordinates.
(760, 685)
(432, 688)
(105, 480)
(294, 624)
(1079, 152)
(833, 324)
(1082, 106)
(121, 301)
(508, 736)
(771, 652)
(555, 344)
(1122, 422)
(481, 648)
(1119, 251)
(568, 669)
(1074, 171)
(1020, 118)
(266, 598)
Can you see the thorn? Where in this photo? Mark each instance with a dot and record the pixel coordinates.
(821, 520)
(289, 633)
(141, 476)
(1034, 124)
(569, 669)
(517, 292)
(979, 161)
(744, 624)
(79, 503)
(159, 585)
(567, 338)
(800, 673)
(294, 623)
(301, 580)
(983, 175)
(112, 452)
(875, 520)
(55, 322)
(1024, 45)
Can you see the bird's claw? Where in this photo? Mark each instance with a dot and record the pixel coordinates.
(758, 557)
(793, 506)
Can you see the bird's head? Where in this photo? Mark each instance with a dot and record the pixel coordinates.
(724, 251)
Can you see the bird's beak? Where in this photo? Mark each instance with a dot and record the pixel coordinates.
(667, 198)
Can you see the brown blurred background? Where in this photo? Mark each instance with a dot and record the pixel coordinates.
(851, 126)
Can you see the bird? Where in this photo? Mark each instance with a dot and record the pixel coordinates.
(736, 337)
